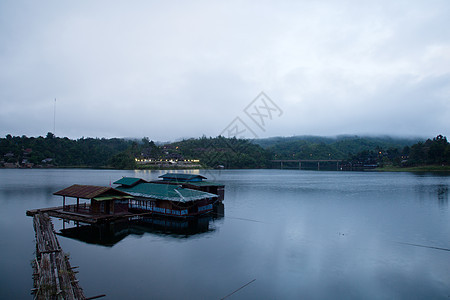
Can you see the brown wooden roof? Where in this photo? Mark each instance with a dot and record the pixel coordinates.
(88, 191)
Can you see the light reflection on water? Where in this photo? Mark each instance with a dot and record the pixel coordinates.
(300, 234)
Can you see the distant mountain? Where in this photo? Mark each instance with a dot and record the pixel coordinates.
(388, 140)
(339, 147)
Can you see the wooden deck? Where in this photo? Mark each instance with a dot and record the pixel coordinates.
(53, 276)
(82, 213)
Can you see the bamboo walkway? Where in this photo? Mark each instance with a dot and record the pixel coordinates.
(53, 276)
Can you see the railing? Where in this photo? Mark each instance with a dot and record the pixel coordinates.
(175, 212)
(81, 208)
(304, 161)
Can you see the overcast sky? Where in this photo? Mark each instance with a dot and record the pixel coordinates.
(177, 69)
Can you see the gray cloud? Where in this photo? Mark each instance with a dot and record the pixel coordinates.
(179, 70)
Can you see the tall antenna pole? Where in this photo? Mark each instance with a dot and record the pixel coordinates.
(54, 118)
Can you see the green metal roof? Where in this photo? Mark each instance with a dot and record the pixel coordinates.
(129, 181)
(198, 183)
(181, 177)
(165, 192)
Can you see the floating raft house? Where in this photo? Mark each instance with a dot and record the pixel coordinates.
(104, 200)
(105, 204)
(166, 199)
(177, 195)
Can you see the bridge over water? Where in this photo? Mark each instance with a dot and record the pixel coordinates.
(297, 163)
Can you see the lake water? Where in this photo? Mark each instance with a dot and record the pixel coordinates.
(288, 234)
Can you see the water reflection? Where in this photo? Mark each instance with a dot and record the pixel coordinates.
(442, 195)
(111, 233)
(439, 192)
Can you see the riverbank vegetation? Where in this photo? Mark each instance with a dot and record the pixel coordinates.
(355, 153)
(51, 151)
(430, 155)
(425, 168)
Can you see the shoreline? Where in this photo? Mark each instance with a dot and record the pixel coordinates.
(431, 168)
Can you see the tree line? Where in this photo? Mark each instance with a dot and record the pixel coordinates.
(57, 151)
(434, 151)
(219, 151)
(212, 152)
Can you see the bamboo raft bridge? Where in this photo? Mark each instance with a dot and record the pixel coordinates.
(53, 276)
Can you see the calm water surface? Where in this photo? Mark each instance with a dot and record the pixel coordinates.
(297, 234)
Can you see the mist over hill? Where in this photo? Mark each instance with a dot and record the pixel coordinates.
(338, 147)
(381, 139)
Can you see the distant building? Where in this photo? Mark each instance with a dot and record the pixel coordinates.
(11, 165)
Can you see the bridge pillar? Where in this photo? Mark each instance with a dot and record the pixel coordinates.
(318, 166)
(281, 165)
(299, 165)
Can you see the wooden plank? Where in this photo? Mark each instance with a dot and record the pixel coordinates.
(55, 278)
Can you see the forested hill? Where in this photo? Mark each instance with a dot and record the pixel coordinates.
(193, 153)
(221, 151)
(340, 147)
(52, 151)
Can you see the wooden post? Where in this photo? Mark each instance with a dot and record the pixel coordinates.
(281, 165)
(64, 202)
(78, 203)
(299, 165)
(337, 166)
(318, 166)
